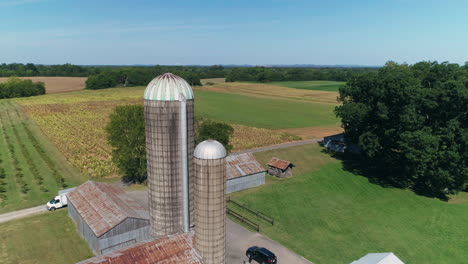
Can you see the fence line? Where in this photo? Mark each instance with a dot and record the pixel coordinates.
(257, 213)
(241, 218)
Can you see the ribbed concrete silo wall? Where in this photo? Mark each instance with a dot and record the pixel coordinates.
(210, 209)
(163, 146)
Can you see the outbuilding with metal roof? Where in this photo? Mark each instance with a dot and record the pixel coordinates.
(280, 168)
(243, 172)
(106, 217)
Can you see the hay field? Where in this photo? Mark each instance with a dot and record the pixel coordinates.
(311, 85)
(273, 91)
(261, 115)
(58, 84)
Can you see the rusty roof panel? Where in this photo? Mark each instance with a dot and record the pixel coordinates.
(279, 163)
(103, 206)
(241, 165)
(175, 249)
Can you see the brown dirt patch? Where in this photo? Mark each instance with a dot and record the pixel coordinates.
(57, 84)
(273, 91)
(313, 132)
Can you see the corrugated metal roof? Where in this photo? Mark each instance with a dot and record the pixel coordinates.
(175, 249)
(103, 206)
(279, 163)
(168, 87)
(242, 165)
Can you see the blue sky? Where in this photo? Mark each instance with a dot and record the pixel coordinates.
(233, 32)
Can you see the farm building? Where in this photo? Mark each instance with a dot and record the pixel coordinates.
(243, 172)
(106, 217)
(167, 250)
(379, 258)
(280, 168)
(338, 143)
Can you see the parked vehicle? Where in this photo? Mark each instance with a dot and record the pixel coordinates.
(59, 201)
(261, 255)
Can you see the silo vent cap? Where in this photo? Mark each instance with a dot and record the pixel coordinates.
(210, 149)
(168, 87)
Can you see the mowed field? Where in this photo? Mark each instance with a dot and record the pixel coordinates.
(332, 216)
(31, 170)
(75, 122)
(57, 84)
(311, 85)
(48, 238)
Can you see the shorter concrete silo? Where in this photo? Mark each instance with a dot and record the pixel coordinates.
(210, 202)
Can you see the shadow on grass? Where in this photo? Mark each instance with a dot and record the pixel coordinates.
(380, 174)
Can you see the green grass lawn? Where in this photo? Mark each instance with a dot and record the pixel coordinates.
(330, 86)
(329, 215)
(263, 112)
(33, 167)
(48, 238)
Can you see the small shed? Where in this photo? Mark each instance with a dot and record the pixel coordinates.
(337, 143)
(243, 172)
(106, 217)
(166, 250)
(280, 168)
(379, 258)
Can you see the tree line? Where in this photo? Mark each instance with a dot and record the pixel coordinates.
(274, 74)
(15, 87)
(411, 121)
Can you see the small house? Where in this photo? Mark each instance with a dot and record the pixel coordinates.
(379, 258)
(106, 217)
(280, 168)
(243, 172)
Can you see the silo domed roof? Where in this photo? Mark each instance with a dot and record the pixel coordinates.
(168, 87)
(210, 149)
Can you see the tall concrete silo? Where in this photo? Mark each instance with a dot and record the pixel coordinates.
(210, 202)
(170, 140)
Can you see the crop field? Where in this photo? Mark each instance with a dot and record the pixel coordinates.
(48, 238)
(330, 215)
(271, 113)
(31, 170)
(75, 121)
(274, 92)
(212, 81)
(311, 85)
(57, 84)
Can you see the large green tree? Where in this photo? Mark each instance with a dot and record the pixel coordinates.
(411, 121)
(126, 135)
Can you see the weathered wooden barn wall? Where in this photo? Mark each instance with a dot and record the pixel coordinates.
(84, 230)
(128, 232)
(245, 182)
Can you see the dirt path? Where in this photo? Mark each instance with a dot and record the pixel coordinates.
(284, 145)
(22, 213)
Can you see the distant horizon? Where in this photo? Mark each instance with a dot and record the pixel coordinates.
(207, 32)
(209, 65)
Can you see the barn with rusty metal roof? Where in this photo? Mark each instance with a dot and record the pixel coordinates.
(106, 217)
(243, 172)
(173, 249)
